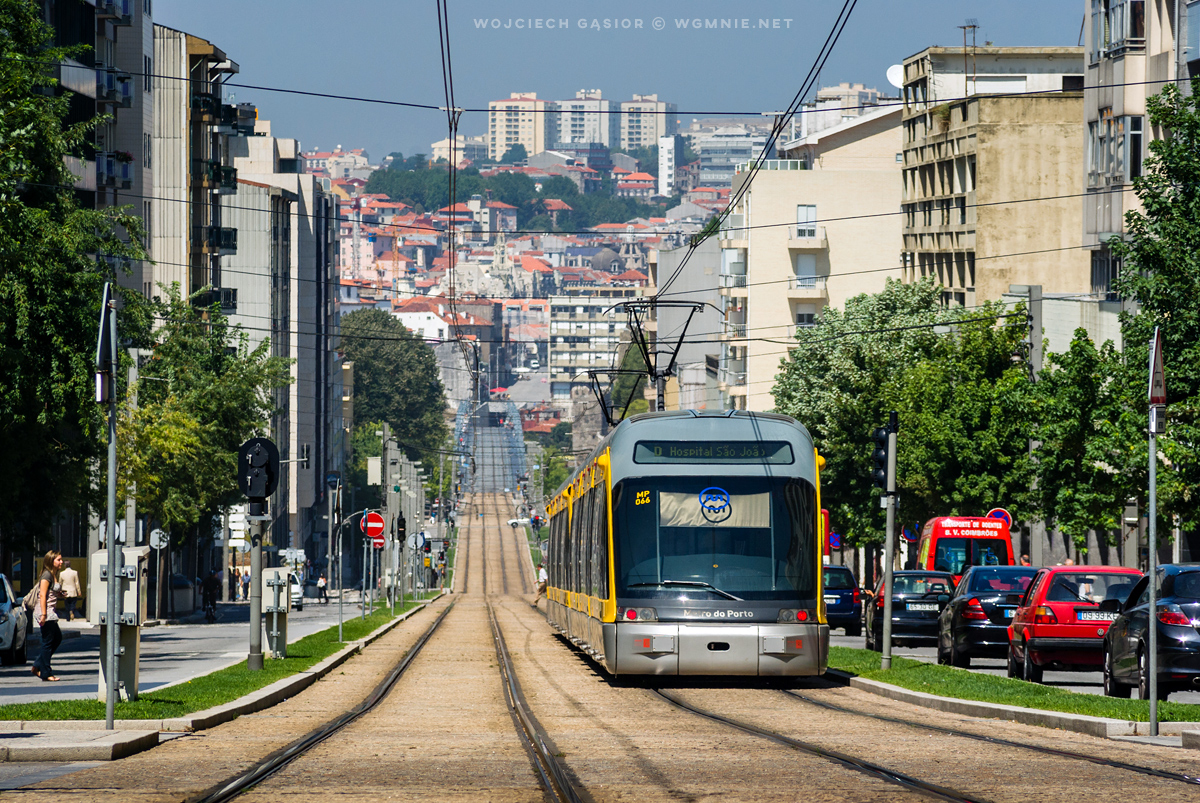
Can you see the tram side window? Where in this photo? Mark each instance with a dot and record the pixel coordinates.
(557, 544)
(585, 544)
(573, 550)
(599, 539)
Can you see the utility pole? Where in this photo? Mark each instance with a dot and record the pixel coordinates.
(1157, 397)
(258, 477)
(889, 549)
(106, 392)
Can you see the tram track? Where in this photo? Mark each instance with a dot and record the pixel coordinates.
(1052, 751)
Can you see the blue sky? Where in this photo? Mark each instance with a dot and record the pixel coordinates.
(388, 49)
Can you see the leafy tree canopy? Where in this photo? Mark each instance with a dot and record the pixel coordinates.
(51, 283)
(515, 153)
(396, 380)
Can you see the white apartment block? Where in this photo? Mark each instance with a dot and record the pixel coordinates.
(584, 334)
(472, 148)
(588, 118)
(644, 119)
(812, 231)
(723, 150)
(521, 119)
(1132, 49)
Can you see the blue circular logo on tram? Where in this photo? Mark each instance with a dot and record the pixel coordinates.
(714, 504)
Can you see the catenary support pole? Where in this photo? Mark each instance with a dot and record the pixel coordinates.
(115, 557)
(889, 551)
(254, 661)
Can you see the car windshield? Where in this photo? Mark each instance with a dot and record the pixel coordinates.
(956, 555)
(716, 537)
(1089, 587)
(922, 584)
(837, 580)
(985, 580)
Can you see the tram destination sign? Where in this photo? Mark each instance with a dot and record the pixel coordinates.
(727, 452)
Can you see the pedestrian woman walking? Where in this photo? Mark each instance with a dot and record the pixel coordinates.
(49, 592)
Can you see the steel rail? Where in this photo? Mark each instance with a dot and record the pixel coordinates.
(281, 758)
(1165, 774)
(844, 759)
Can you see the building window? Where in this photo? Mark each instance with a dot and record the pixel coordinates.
(148, 76)
(806, 220)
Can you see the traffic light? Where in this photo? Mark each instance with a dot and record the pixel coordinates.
(258, 472)
(401, 528)
(880, 457)
(428, 547)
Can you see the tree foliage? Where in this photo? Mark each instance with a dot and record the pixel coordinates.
(958, 396)
(51, 282)
(515, 153)
(203, 392)
(396, 380)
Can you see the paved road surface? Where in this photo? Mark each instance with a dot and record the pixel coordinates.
(170, 653)
(1082, 682)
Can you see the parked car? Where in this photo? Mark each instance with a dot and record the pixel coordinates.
(974, 624)
(916, 601)
(1059, 624)
(1126, 645)
(843, 600)
(14, 625)
(297, 591)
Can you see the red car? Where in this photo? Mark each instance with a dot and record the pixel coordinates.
(1058, 624)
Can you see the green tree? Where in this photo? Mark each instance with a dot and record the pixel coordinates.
(51, 282)
(560, 436)
(203, 392)
(396, 380)
(1079, 419)
(958, 398)
(515, 153)
(1160, 270)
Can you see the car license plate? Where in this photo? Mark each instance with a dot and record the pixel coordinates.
(832, 600)
(922, 606)
(1008, 614)
(1096, 616)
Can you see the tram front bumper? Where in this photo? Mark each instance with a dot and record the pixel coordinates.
(659, 648)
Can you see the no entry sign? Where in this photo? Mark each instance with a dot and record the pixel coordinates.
(372, 524)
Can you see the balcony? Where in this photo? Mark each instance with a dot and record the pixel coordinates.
(119, 12)
(236, 120)
(76, 77)
(731, 378)
(807, 287)
(221, 239)
(84, 172)
(215, 176)
(226, 297)
(807, 237)
(733, 233)
(732, 329)
(113, 170)
(733, 280)
(205, 107)
(114, 87)
(770, 164)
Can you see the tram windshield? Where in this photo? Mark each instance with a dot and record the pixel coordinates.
(715, 538)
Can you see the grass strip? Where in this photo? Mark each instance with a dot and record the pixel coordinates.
(216, 688)
(947, 681)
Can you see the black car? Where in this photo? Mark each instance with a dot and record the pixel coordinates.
(843, 601)
(975, 621)
(917, 600)
(1126, 645)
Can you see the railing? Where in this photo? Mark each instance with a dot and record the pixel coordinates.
(806, 282)
(734, 329)
(114, 86)
(770, 164)
(732, 377)
(223, 239)
(809, 231)
(733, 280)
(119, 11)
(733, 227)
(113, 172)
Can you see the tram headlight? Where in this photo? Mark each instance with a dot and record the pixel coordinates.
(637, 614)
(790, 615)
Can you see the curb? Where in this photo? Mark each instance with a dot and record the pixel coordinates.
(135, 735)
(1078, 723)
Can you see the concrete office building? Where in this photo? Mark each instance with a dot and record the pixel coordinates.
(646, 118)
(982, 130)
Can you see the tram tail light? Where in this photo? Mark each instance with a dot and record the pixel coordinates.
(974, 610)
(791, 615)
(637, 614)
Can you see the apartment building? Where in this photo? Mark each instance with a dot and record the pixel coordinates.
(189, 149)
(588, 118)
(1132, 50)
(724, 149)
(644, 120)
(473, 149)
(584, 334)
(264, 164)
(521, 119)
(991, 161)
(812, 231)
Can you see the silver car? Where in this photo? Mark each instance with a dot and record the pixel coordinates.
(14, 625)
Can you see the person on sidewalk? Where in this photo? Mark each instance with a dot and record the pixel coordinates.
(321, 589)
(70, 588)
(49, 593)
(245, 585)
